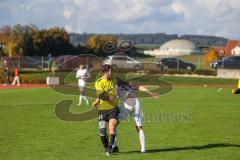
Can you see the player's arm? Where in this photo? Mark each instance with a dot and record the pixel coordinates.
(121, 82)
(88, 75)
(144, 89)
(96, 102)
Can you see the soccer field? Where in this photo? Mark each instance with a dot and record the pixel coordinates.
(188, 123)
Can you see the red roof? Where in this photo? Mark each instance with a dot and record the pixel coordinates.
(220, 49)
(230, 45)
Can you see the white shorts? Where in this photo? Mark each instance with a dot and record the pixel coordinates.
(81, 83)
(136, 113)
(123, 113)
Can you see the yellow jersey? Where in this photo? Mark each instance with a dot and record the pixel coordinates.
(107, 87)
(239, 84)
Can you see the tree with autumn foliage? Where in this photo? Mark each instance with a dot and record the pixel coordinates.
(4, 36)
(28, 40)
(211, 55)
(96, 43)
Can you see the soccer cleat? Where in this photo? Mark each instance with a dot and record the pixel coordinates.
(115, 149)
(107, 154)
(143, 151)
(79, 104)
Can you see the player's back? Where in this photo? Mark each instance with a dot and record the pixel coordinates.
(108, 87)
(127, 95)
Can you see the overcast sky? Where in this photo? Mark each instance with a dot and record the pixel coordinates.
(205, 17)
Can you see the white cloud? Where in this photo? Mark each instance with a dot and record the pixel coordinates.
(213, 17)
(27, 6)
(131, 10)
(180, 8)
(67, 13)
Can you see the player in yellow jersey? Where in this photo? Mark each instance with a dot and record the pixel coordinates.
(108, 107)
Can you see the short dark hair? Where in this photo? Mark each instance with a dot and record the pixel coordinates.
(105, 68)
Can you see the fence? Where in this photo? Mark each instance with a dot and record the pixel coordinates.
(26, 62)
(65, 62)
(70, 62)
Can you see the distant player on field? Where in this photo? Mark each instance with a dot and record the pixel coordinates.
(82, 74)
(16, 77)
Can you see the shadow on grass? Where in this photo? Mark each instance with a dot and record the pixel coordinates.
(208, 146)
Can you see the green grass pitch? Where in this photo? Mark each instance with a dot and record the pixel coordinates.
(197, 123)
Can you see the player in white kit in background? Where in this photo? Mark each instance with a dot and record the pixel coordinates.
(82, 75)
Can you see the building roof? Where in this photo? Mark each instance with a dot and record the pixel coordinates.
(178, 44)
(238, 46)
(230, 45)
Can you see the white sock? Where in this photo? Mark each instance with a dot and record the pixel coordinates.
(80, 99)
(85, 98)
(142, 140)
(115, 141)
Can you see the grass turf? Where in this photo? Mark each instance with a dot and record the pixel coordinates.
(195, 123)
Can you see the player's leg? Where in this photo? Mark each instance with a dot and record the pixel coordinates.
(6, 80)
(112, 125)
(80, 96)
(114, 146)
(112, 133)
(115, 141)
(141, 138)
(138, 116)
(14, 80)
(84, 96)
(18, 82)
(103, 131)
(123, 112)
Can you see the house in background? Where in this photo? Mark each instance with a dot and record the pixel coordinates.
(230, 45)
(236, 51)
(221, 51)
(227, 51)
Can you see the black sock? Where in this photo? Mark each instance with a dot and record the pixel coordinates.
(111, 141)
(104, 141)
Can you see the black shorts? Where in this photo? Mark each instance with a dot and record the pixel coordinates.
(106, 115)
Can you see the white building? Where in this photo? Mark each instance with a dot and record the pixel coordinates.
(236, 51)
(177, 47)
